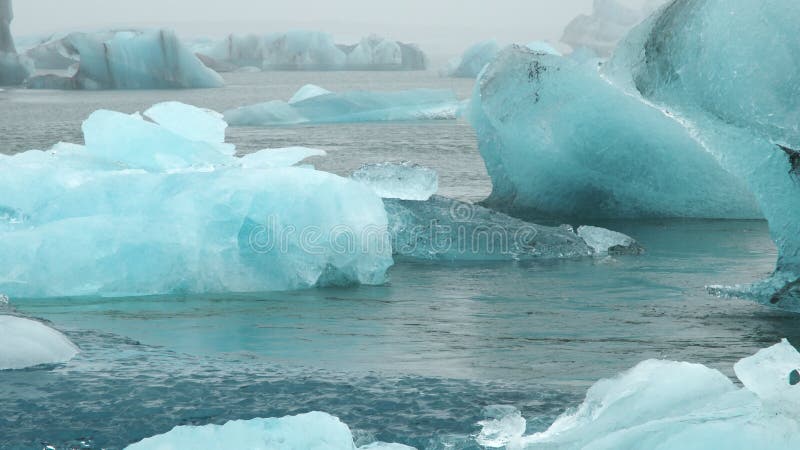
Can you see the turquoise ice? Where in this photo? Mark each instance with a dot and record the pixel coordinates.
(152, 206)
(153, 59)
(313, 104)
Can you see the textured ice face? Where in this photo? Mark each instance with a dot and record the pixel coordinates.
(313, 104)
(141, 209)
(474, 59)
(312, 431)
(311, 50)
(668, 405)
(28, 343)
(129, 60)
(609, 22)
(403, 181)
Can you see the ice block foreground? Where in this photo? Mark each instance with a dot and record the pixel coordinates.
(311, 50)
(311, 431)
(126, 60)
(28, 343)
(474, 59)
(404, 181)
(444, 229)
(609, 22)
(667, 405)
(14, 68)
(313, 104)
(147, 208)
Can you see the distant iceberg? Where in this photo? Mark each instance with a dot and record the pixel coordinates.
(310, 50)
(667, 405)
(609, 22)
(27, 343)
(474, 59)
(156, 203)
(311, 431)
(14, 68)
(683, 121)
(313, 104)
(123, 60)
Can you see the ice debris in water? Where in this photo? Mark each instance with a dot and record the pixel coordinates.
(405, 181)
(313, 104)
(135, 59)
(14, 68)
(609, 22)
(606, 242)
(28, 343)
(659, 130)
(155, 208)
(474, 59)
(444, 229)
(667, 405)
(311, 431)
(310, 50)
(502, 424)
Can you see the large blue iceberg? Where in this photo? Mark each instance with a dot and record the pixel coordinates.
(153, 205)
(310, 50)
(474, 59)
(14, 68)
(313, 105)
(695, 116)
(154, 59)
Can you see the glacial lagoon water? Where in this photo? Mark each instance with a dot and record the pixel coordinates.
(414, 361)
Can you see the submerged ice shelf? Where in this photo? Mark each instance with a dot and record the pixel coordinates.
(154, 59)
(313, 104)
(658, 131)
(403, 181)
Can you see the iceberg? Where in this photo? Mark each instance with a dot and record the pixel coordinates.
(404, 181)
(543, 47)
(311, 431)
(683, 121)
(151, 205)
(609, 22)
(126, 60)
(311, 50)
(28, 343)
(315, 105)
(444, 229)
(14, 68)
(667, 405)
(474, 59)
(605, 242)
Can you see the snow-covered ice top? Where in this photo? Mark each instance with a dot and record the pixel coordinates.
(313, 104)
(153, 59)
(608, 23)
(310, 50)
(474, 59)
(156, 203)
(405, 181)
(311, 431)
(667, 405)
(28, 343)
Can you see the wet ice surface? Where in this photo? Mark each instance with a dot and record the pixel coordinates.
(415, 361)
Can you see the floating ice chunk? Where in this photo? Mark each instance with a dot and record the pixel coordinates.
(354, 106)
(560, 141)
(279, 157)
(666, 405)
(312, 50)
(14, 68)
(28, 343)
(474, 59)
(503, 424)
(311, 431)
(142, 210)
(605, 241)
(191, 122)
(543, 47)
(404, 181)
(129, 60)
(443, 229)
(306, 92)
(609, 22)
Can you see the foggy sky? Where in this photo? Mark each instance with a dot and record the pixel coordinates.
(439, 26)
